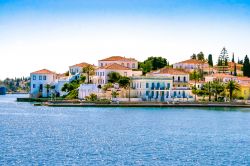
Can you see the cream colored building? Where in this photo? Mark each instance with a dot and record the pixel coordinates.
(123, 61)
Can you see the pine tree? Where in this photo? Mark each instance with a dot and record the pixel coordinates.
(200, 56)
(246, 67)
(193, 56)
(223, 56)
(210, 60)
(233, 58)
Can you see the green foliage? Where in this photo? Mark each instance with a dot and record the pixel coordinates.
(72, 94)
(235, 70)
(223, 58)
(201, 56)
(89, 70)
(91, 97)
(107, 86)
(153, 63)
(195, 75)
(114, 94)
(210, 60)
(193, 56)
(66, 73)
(114, 77)
(82, 79)
(217, 88)
(246, 67)
(231, 87)
(233, 58)
(124, 82)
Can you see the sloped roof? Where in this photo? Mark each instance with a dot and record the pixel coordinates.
(168, 70)
(114, 66)
(118, 58)
(192, 61)
(83, 64)
(43, 71)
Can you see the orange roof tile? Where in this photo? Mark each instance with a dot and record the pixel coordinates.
(114, 66)
(83, 64)
(43, 71)
(168, 70)
(192, 61)
(118, 58)
(221, 75)
(243, 78)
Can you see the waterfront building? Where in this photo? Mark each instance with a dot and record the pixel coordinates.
(39, 80)
(87, 89)
(130, 63)
(191, 65)
(101, 73)
(165, 84)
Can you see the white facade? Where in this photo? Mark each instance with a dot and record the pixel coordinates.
(126, 62)
(158, 88)
(39, 80)
(190, 65)
(86, 90)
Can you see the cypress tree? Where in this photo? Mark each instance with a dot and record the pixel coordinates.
(246, 67)
(210, 60)
(233, 58)
(235, 70)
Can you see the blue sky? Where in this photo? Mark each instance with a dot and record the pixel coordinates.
(55, 34)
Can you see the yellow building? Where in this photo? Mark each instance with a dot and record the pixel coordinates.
(244, 91)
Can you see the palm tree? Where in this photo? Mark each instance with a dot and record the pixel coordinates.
(89, 70)
(47, 86)
(231, 87)
(217, 88)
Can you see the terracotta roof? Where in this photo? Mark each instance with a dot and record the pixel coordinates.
(238, 66)
(168, 70)
(118, 58)
(192, 61)
(83, 64)
(221, 75)
(114, 66)
(243, 78)
(43, 71)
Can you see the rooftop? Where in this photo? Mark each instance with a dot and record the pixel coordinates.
(114, 66)
(118, 58)
(43, 71)
(83, 64)
(168, 70)
(192, 61)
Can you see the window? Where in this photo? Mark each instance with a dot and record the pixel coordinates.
(40, 77)
(44, 77)
(34, 77)
(101, 64)
(179, 79)
(34, 85)
(133, 65)
(128, 65)
(146, 85)
(184, 79)
(102, 73)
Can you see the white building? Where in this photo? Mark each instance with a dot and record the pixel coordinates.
(191, 64)
(126, 62)
(86, 90)
(162, 85)
(101, 74)
(39, 80)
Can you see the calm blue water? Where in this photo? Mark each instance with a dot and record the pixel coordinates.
(122, 136)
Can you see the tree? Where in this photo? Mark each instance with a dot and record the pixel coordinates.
(153, 63)
(231, 87)
(47, 86)
(113, 77)
(233, 58)
(82, 79)
(235, 70)
(223, 59)
(193, 56)
(92, 97)
(200, 56)
(124, 82)
(246, 67)
(89, 70)
(208, 89)
(210, 60)
(217, 88)
(114, 94)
